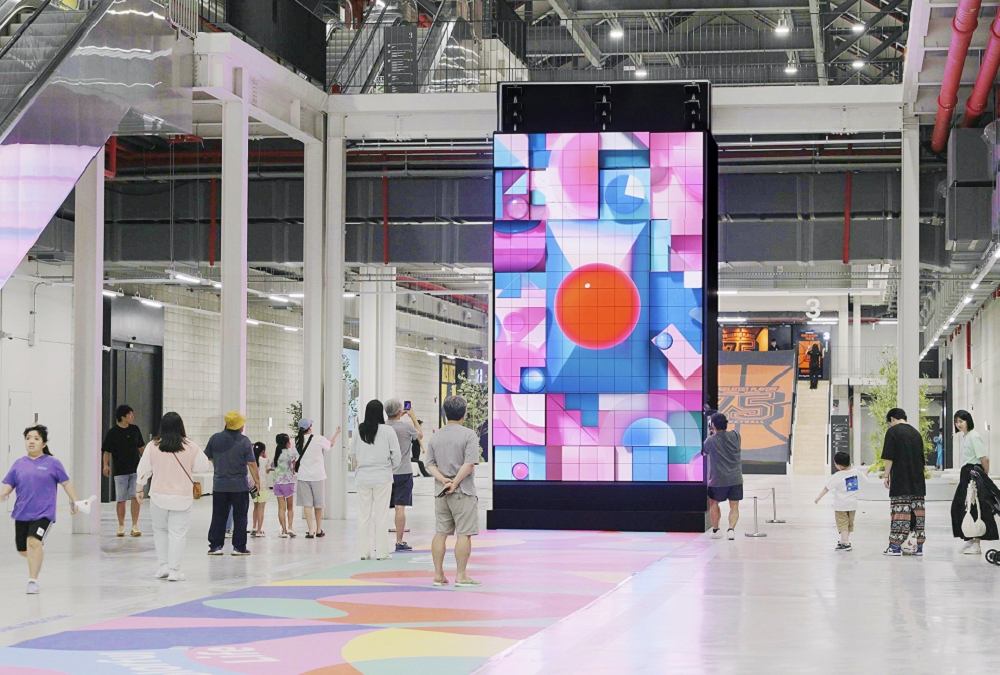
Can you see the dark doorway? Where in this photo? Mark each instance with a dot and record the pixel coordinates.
(133, 375)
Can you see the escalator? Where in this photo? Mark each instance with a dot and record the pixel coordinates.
(71, 76)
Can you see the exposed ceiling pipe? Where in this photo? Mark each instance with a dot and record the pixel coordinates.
(963, 26)
(976, 104)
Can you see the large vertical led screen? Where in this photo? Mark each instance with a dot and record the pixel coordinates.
(599, 306)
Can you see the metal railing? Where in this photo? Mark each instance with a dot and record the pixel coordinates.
(864, 361)
(740, 49)
(184, 16)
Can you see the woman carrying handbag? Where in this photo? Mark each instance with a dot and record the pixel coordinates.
(172, 459)
(971, 511)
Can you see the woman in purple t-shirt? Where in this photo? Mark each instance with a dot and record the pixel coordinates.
(35, 478)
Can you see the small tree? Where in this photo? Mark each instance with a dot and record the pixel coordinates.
(477, 396)
(883, 399)
(295, 410)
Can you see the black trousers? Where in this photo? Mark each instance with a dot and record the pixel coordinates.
(813, 377)
(239, 502)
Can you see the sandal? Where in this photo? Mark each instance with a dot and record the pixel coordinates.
(309, 536)
(321, 533)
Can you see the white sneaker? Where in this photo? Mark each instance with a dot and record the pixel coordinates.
(716, 534)
(32, 587)
(973, 548)
(176, 575)
(731, 534)
(162, 572)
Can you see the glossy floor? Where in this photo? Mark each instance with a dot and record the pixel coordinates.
(787, 603)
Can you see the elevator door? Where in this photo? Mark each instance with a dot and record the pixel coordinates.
(136, 379)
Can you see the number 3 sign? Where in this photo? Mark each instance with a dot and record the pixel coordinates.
(813, 312)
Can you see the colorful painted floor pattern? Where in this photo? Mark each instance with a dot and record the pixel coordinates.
(367, 617)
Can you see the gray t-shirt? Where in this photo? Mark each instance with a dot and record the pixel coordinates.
(725, 467)
(406, 434)
(230, 452)
(452, 446)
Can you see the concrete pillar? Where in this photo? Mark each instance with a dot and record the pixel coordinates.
(333, 324)
(843, 331)
(386, 336)
(908, 386)
(312, 303)
(856, 340)
(368, 348)
(235, 166)
(88, 323)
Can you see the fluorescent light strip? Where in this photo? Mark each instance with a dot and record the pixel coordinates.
(727, 292)
(296, 295)
(291, 329)
(253, 322)
(150, 303)
(109, 294)
(186, 278)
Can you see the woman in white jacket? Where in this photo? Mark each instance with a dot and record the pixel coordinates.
(376, 449)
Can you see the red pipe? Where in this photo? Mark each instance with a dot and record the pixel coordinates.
(963, 25)
(111, 149)
(976, 104)
(211, 224)
(847, 220)
(968, 346)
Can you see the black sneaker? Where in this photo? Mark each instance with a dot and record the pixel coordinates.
(892, 550)
(403, 546)
(239, 552)
(844, 546)
(215, 551)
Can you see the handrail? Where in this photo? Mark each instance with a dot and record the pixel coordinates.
(430, 30)
(357, 36)
(24, 26)
(35, 85)
(15, 10)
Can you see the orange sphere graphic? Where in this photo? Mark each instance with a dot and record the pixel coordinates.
(597, 306)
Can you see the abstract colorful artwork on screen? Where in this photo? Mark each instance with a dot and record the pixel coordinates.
(598, 306)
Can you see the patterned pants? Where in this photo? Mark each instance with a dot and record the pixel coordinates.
(905, 508)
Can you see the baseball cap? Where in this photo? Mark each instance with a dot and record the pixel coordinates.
(305, 423)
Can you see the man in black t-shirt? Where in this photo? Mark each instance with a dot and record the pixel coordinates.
(123, 446)
(903, 452)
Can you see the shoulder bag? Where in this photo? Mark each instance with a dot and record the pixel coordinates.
(195, 485)
(973, 527)
(305, 447)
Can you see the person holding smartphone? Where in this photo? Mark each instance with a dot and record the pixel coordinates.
(402, 473)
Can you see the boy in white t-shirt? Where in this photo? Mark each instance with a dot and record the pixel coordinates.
(844, 485)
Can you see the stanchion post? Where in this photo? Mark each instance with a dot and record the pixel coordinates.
(774, 508)
(756, 531)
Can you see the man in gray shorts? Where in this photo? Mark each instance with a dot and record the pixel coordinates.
(725, 473)
(452, 456)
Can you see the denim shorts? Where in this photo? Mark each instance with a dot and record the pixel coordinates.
(125, 487)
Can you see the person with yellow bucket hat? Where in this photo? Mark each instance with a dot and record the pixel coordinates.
(232, 454)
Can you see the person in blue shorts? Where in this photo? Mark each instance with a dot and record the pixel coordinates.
(725, 473)
(35, 478)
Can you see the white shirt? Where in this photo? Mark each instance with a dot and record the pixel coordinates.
(375, 460)
(844, 485)
(266, 478)
(313, 467)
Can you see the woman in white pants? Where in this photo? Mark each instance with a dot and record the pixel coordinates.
(172, 459)
(376, 449)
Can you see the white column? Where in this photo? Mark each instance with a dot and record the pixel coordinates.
(333, 324)
(856, 347)
(843, 331)
(88, 323)
(908, 386)
(312, 264)
(235, 130)
(368, 334)
(856, 376)
(386, 336)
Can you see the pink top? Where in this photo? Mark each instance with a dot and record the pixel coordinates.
(171, 488)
